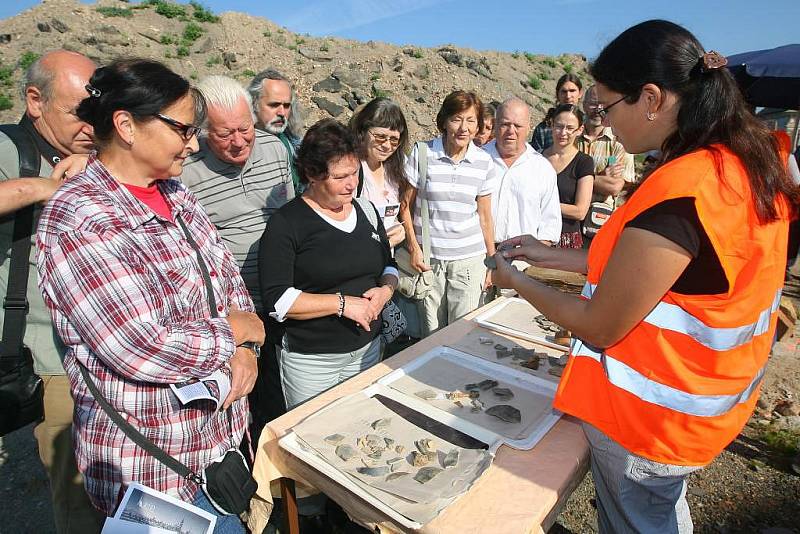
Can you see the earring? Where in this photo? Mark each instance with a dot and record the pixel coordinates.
(651, 116)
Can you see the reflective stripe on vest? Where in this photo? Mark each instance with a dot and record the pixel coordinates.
(671, 317)
(629, 379)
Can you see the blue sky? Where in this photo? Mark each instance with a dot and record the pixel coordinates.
(548, 27)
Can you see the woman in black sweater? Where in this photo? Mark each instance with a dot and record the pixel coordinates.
(326, 271)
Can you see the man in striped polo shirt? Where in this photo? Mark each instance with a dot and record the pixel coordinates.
(241, 176)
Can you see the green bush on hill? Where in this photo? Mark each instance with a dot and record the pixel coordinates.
(27, 59)
(202, 13)
(112, 11)
(5, 103)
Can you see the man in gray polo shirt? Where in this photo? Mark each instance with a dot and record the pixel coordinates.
(53, 87)
(241, 176)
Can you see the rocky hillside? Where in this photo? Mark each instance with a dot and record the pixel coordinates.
(332, 76)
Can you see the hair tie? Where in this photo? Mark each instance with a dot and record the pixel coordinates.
(712, 60)
(93, 91)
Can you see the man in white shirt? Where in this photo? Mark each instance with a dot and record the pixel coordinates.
(526, 199)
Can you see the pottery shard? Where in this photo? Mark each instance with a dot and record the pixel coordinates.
(505, 412)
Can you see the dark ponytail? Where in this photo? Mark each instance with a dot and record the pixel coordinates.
(712, 110)
(141, 87)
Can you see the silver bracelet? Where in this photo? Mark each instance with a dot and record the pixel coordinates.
(340, 312)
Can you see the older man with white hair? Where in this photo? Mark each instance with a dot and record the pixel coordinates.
(526, 199)
(241, 177)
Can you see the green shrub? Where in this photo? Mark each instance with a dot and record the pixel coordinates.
(544, 76)
(168, 39)
(192, 32)
(193, 76)
(202, 13)
(417, 53)
(5, 103)
(267, 33)
(568, 67)
(375, 76)
(786, 441)
(5, 75)
(530, 57)
(112, 11)
(515, 54)
(213, 60)
(182, 50)
(168, 9)
(379, 93)
(27, 59)
(550, 62)
(292, 47)
(299, 40)
(249, 73)
(534, 82)
(324, 47)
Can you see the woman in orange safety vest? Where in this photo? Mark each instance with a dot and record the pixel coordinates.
(673, 329)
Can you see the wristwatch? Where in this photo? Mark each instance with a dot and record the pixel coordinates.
(252, 345)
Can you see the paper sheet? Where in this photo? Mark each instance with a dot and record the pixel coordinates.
(518, 315)
(353, 418)
(443, 376)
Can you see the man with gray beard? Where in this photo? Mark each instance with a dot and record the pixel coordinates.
(278, 112)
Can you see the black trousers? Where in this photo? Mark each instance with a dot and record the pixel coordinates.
(266, 399)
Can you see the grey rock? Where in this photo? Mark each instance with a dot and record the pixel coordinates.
(480, 66)
(5, 38)
(451, 55)
(328, 85)
(787, 408)
(314, 55)
(418, 97)
(107, 29)
(43, 27)
(777, 530)
(421, 71)
(228, 59)
(59, 26)
(360, 97)
(205, 46)
(155, 37)
(323, 103)
(352, 103)
(762, 404)
(381, 88)
(350, 77)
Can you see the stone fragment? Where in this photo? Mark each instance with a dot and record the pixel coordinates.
(421, 71)
(314, 55)
(228, 59)
(328, 85)
(5, 38)
(451, 55)
(334, 110)
(352, 78)
(43, 27)
(59, 26)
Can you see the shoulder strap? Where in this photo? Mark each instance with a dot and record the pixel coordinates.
(131, 432)
(422, 165)
(369, 211)
(15, 302)
(360, 187)
(290, 151)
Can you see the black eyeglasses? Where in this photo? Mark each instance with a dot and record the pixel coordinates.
(187, 131)
(603, 112)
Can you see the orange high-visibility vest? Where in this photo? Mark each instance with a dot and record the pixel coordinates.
(681, 384)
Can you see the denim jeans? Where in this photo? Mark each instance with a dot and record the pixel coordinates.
(226, 524)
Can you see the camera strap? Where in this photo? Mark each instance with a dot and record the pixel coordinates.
(15, 303)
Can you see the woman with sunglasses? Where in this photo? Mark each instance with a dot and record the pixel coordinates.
(574, 173)
(144, 293)
(676, 320)
(381, 137)
(569, 90)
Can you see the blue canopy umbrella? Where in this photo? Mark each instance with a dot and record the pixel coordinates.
(769, 78)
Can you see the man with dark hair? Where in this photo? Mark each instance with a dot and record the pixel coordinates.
(53, 87)
(278, 112)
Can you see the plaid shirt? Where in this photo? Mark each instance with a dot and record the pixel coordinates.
(127, 297)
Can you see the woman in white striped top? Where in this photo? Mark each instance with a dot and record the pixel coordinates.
(458, 189)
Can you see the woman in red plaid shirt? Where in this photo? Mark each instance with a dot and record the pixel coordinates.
(127, 295)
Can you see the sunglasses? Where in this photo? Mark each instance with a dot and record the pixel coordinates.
(603, 112)
(187, 131)
(382, 138)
